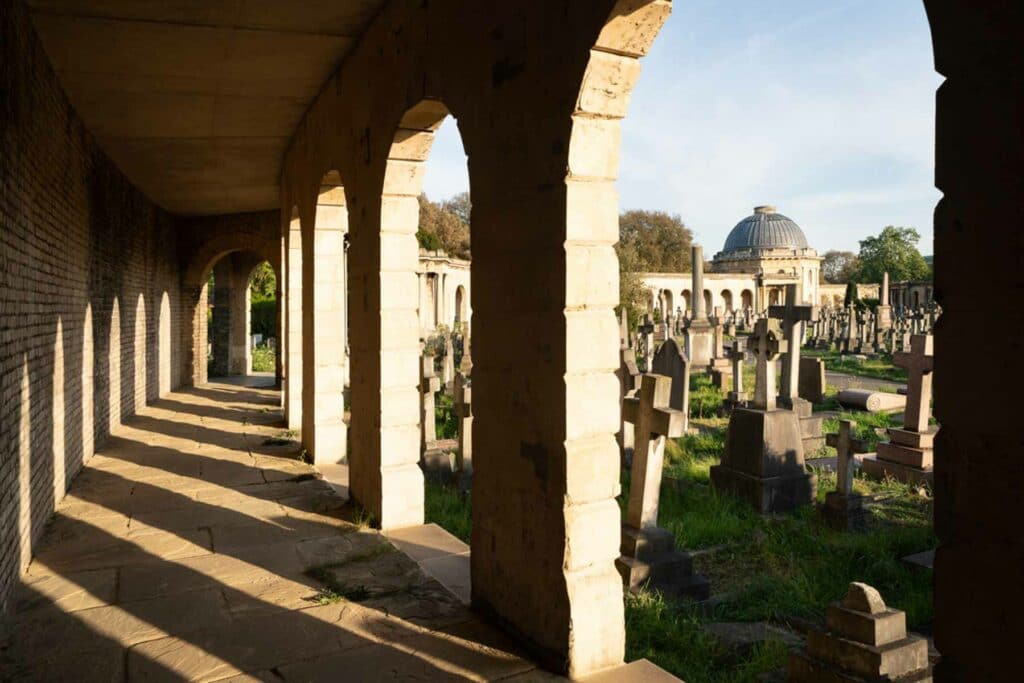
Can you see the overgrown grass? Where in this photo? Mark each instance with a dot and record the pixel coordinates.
(448, 509)
(264, 359)
(445, 419)
(868, 425)
(879, 367)
(776, 569)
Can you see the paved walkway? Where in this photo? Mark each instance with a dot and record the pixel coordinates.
(195, 546)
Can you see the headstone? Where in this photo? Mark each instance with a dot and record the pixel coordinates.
(718, 367)
(909, 453)
(737, 353)
(430, 384)
(628, 375)
(792, 318)
(863, 640)
(843, 508)
(671, 361)
(463, 409)
(646, 332)
(448, 367)
(812, 380)
(649, 556)
(763, 461)
(698, 333)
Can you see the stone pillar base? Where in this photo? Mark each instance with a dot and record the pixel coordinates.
(650, 559)
(766, 494)
(845, 512)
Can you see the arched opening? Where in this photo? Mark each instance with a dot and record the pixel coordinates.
(686, 301)
(708, 301)
(746, 299)
(461, 305)
(727, 301)
(228, 298)
(262, 324)
(667, 305)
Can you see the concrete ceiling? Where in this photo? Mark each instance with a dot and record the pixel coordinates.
(195, 100)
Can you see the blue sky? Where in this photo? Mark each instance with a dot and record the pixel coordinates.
(825, 109)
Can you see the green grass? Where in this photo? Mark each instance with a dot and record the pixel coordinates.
(774, 569)
(263, 359)
(445, 419)
(879, 367)
(448, 509)
(867, 425)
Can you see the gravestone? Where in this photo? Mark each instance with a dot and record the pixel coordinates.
(671, 361)
(448, 367)
(793, 317)
(843, 508)
(737, 353)
(863, 640)
(646, 335)
(463, 409)
(648, 553)
(698, 333)
(430, 384)
(763, 461)
(718, 367)
(871, 401)
(909, 453)
(628, 375)
(812, 380)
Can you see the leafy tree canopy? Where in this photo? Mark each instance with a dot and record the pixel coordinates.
(649, 242)
(263, 283)
(839, 266)
(445, 225)
(894, 250)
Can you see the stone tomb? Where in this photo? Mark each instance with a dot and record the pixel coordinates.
(864, 641)
(812, 382)
(649, 556)
(908, 455)
(763, 462)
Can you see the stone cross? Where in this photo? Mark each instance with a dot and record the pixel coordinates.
(718, 324)
(653, 421)
(430, 384)
(448, 369)
(463, 409)
(919, 365)
(843, 443)
(647, 333)
(624, 340)
(737, 352)
(766, 347)
(793, 317)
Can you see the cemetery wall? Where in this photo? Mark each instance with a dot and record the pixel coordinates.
(88, 287)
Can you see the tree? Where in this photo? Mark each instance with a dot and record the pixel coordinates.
(661, 241)
(443, 228)
(838, 266)
(460, 205)
(649, 242)
(263, 283)
(895, 251)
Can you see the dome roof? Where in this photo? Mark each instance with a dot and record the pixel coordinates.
(765, 229)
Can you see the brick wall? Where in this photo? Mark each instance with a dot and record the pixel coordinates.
(89, 295)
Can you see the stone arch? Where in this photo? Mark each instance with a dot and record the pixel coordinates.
(746, 299)
(247, 234)
(461, 305)
(727, 300)
(686, 300)
(708, 301)
(667, 304)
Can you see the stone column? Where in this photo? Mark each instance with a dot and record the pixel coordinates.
(240, 351)
(884, 310)
(220, 329)
(697, 288)
(324, 432)
(293, 333)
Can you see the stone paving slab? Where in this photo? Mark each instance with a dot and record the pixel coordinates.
(189, 550)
